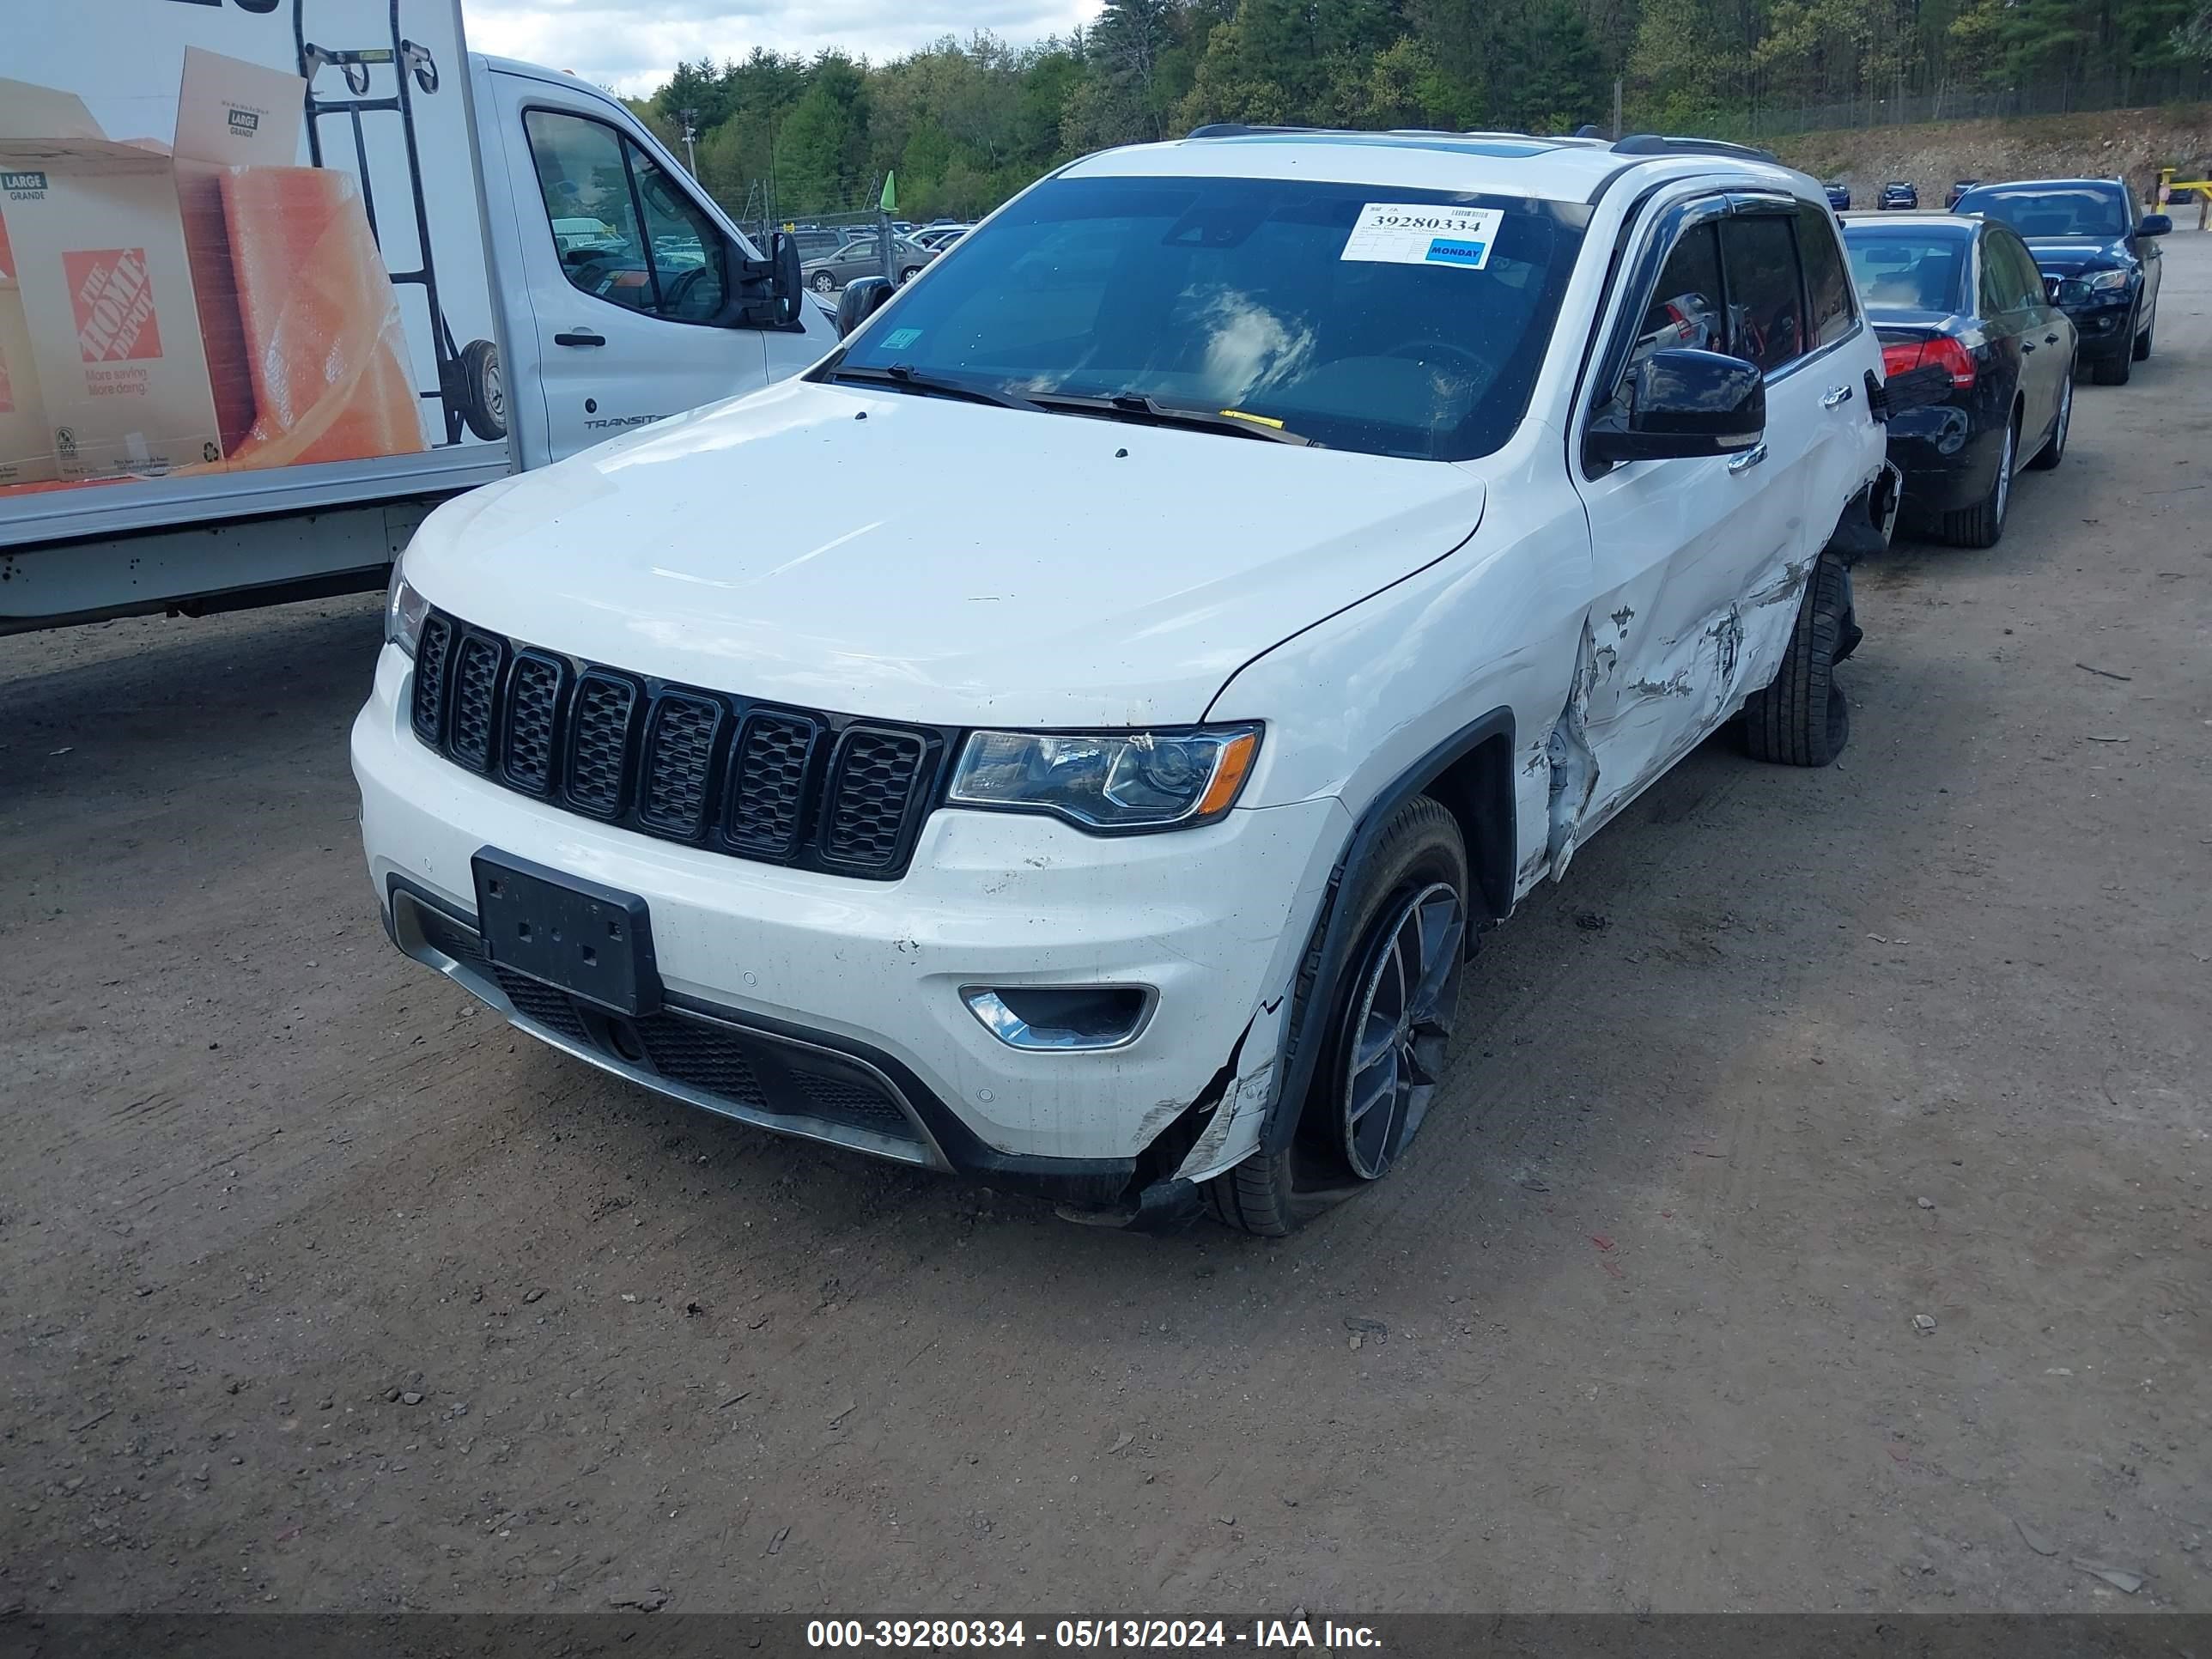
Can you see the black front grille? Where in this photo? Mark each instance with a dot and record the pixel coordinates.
(783, 785)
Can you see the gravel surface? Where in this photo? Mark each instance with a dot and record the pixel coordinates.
(1815, 1216)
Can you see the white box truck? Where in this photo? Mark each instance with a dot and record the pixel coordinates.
(276, 277)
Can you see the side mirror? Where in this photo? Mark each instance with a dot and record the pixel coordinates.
(2155, 224)
(769, 291)
(1682, 405)
(863, 298)
(2069, 291)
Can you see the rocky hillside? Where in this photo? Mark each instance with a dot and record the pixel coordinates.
(2130, 143)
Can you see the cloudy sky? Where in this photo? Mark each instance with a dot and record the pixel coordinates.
(631, 45)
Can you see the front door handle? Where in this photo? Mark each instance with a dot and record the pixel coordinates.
(1837, 398)
(2027, 345)
(2050, 339)
(582, 336)
(1748, 460)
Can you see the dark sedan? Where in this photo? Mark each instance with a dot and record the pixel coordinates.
(1840, 197)
(1979, 366)
(1898, 194)
(2085, 231)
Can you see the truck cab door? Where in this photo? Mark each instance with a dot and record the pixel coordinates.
(624, 268)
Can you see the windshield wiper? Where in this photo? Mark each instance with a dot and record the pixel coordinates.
(904, 377)
(1146, 411)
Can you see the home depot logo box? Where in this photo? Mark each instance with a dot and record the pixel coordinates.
(106, 291)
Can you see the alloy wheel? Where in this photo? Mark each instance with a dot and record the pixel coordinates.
(1400, 1022)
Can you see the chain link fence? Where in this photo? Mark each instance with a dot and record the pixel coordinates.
(2143, 89)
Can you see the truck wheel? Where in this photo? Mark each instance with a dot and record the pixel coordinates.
(1384, 1038)
(1802, 718)
(484, 397)
(1983, 524)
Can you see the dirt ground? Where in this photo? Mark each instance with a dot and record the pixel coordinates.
(320, 1288)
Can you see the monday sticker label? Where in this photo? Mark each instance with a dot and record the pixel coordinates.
(1417, 233)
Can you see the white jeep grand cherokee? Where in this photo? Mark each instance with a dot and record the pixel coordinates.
(1073, 734)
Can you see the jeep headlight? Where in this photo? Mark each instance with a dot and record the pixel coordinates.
(403, 610)
(2105, 279)
(1107, 781)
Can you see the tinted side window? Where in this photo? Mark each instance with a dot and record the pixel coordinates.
(586, 187)
(1686, 305)
(595, 185)
(1767, 299)
(1827, 283)
(2026, 282)
(686, 246)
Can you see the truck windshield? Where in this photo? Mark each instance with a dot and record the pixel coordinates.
(2045, 211)
(1362, 317)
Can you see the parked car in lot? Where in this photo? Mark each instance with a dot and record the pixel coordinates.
(1958, 187)
(1840, 197)
(861, 256)
(1979, 364)
(938, 237)
(2085, 230)
(1897, 194)
(1125, 847)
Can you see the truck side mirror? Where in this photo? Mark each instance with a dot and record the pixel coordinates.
(863, 298)
(769, 293)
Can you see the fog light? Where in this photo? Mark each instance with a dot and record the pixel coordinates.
(1060, 1018)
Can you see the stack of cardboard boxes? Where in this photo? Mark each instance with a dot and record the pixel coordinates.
(125, 347)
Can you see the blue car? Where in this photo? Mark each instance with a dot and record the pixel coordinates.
(1839, 195)
(1899, 194)
(2084, 233)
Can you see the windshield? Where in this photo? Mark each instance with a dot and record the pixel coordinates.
(2047, 212)
(1904, 271)
(1420, 337)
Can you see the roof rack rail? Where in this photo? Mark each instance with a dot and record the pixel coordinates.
(1654, 144)
(1238, 130)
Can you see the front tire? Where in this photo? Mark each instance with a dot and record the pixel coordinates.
(1802, 718)
(2116, 369)
(1383, 1037)
(2142, 350)
(821, 283)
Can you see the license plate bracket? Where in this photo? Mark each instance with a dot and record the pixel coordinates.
(592, 941)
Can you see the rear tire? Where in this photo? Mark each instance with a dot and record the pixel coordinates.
(2054, 452)
(1803, 719)
(1383, 1037)
(1983, 524)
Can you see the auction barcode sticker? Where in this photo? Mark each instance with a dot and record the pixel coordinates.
(1420, 234)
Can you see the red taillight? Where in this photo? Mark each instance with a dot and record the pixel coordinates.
(1942, 352)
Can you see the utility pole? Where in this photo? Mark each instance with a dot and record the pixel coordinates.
(1616, 109)
(690, 132)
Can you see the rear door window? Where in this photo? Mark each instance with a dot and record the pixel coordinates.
(1827, 283)
(1766, 295)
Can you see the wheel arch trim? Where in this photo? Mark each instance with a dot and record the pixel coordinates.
(1300, 1045)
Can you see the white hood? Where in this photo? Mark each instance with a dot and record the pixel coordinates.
(936, 561)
